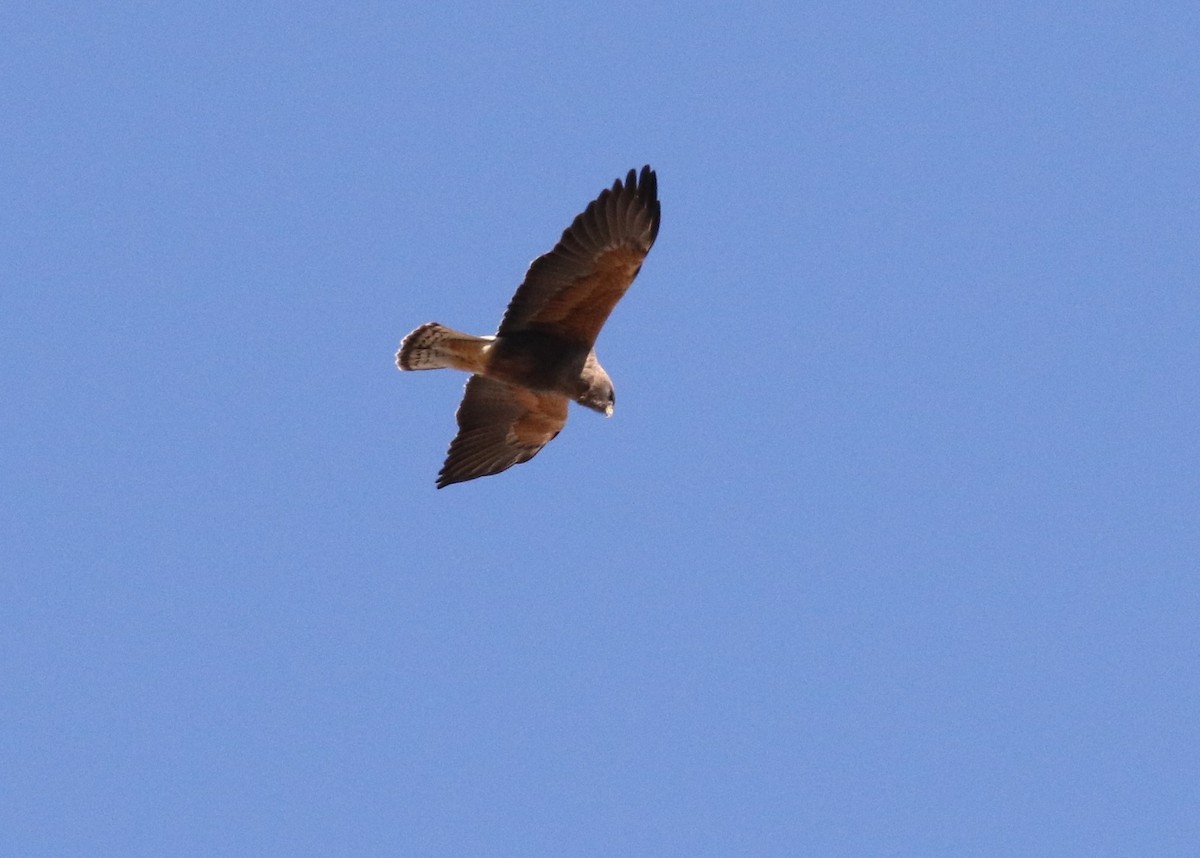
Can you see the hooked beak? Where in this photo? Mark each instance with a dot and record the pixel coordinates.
(608, 410)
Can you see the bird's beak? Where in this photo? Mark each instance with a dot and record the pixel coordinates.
(608, 410)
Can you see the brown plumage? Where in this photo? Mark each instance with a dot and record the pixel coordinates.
(544, 351)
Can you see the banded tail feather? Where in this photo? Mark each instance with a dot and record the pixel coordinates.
(434, 346)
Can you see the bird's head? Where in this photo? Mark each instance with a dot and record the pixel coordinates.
(596, 388)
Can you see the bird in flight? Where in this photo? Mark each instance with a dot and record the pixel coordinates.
(543, 355)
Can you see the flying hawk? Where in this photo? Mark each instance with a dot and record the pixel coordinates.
(544, 354)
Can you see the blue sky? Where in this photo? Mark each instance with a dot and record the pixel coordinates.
(891, 546)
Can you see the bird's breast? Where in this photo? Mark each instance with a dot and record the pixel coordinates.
(536, 360)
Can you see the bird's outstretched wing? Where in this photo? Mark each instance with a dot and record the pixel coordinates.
(500, 426)
(571, 290)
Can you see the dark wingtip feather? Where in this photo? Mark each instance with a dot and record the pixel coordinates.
(647, 192)
(448, 476)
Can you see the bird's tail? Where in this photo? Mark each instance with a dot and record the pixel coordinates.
(434, 346)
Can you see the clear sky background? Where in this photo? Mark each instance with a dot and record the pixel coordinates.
(891, 547)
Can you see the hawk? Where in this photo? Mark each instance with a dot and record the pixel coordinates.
(543, 355)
